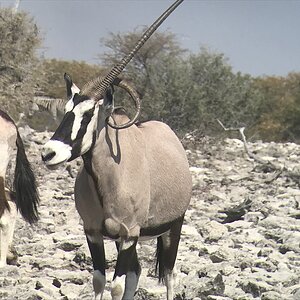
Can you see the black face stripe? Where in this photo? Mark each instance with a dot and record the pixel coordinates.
(76, 150)
(86, 119)
(64, 130)
(76, 147)
(79, 98)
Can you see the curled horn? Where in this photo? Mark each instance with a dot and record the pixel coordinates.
(101, 86)
(135, 97)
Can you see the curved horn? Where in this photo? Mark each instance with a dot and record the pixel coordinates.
(133, 94)
(116, 70)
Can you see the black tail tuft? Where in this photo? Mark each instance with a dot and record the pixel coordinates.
(159, 267)
(27, 197)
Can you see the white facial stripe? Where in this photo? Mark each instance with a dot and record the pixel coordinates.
(69, 105)
(84, 106)
(79, 110)
(76, 127)
(75, 89)
(88, 137)
(62, 152)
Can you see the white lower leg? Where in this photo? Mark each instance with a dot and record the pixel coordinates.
(98, 284)
(4, 237)
(170, 282)
(118, 287)
(12, 223)
(131, 284)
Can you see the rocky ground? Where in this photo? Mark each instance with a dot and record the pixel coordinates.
(240, 239)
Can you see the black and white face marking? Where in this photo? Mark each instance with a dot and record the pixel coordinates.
(74, 136)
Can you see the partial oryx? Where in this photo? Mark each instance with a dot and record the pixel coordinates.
(55, 106)
(25, 195)
(134, 182)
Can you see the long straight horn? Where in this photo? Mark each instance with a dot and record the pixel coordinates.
(116, 70)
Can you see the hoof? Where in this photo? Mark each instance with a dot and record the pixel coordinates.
(12, 256)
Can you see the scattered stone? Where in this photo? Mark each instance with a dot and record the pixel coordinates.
(185, 269)
(56, 283)
(256, 256)
(142, 294)
(296, 293)
(69, 246)
(80, 258)
(77, 281)
(219, 256)
(271, 296)
(215, 286)
(213, 231)
(38, 285)
(237, 213)
(255, 288)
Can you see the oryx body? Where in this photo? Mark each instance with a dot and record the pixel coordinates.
(134, 182)
(140, 179)
(25, 195)
(139, 186)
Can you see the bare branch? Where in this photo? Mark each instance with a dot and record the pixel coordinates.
(229, 128)
(279, 169)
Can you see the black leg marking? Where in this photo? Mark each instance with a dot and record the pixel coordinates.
(98, 257)
(167, 247)
(127, 265)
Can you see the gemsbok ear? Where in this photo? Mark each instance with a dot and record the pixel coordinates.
(72, 88)
(108, 101)
(69, 84)
(109, 96)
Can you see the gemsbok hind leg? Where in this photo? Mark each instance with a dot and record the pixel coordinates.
(167, 247)
(97, 251)
(127, 271)
(7, 223)
(13, 213)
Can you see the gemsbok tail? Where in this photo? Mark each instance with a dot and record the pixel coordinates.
(27, 197)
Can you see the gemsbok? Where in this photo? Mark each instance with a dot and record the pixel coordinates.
(25, 196)
(134, 183)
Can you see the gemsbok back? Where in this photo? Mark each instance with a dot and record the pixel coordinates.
(25, 196)
(134, 183)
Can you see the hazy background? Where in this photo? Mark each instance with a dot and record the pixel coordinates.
(258, 37)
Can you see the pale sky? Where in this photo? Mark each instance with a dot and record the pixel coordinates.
(258, 37)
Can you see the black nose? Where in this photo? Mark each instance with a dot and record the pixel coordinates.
(48, 156)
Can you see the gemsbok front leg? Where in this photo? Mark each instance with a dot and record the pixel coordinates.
(127, 271)
(97, 251)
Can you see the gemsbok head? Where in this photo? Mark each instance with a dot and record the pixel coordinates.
(134, 183)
